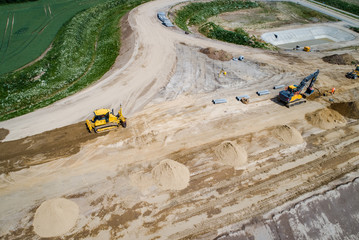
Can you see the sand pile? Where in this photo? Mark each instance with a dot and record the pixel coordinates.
(217, 54)
(170, 175)
(342, 59)
(325, 118)
(288, 135)
(229, 153)
(347, 109)
(55, 217)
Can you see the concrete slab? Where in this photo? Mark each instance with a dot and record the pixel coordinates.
(307, 36)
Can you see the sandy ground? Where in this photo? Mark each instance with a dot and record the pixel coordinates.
(166, 88)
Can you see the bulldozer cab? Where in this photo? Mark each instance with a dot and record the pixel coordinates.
(101, 115)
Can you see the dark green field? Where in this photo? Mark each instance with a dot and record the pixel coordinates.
(83, 50)
(27, 29)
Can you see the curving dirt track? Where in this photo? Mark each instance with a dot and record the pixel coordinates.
(133, 85)
(166, 88)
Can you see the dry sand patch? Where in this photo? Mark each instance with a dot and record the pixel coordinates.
(141, 180)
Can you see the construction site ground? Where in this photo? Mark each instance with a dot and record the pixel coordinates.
(289, 188)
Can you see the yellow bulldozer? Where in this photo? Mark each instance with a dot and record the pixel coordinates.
(105, 120)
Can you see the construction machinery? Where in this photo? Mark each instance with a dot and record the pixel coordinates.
(293, 94)
(306, 49)
(353, 74)
(245, 100)
(222, 71)
(105, 120)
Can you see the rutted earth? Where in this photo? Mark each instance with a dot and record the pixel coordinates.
(185, 168)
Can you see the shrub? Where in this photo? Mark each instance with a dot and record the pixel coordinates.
(198, 13)
(239, 36)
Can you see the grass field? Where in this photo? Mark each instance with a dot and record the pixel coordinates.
(83, 50)
(270, 15)
(27, 29)
(351, 6)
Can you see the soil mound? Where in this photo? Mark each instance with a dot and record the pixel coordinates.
(229, 153)
(217, 54)
(3, 133)
(55, 217)
(325, 118)
(288, 135)
(170, 175)
(342, 59)
(347, 109)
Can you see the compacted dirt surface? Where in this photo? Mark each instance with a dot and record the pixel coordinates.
(185, 168)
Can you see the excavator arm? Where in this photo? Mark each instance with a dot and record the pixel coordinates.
(312, 78)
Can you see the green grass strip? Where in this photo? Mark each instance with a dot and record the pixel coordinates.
(239, 36)
(355, 29)
(348, 7)
(83, 50)
(198, 13)
(15, 1)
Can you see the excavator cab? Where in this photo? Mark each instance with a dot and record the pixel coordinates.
(292, 88)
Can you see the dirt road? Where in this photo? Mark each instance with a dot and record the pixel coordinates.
(135, 83)
(167, 88)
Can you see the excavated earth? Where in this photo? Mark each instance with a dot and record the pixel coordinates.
(236, 171)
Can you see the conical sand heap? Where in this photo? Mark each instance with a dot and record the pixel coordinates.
(231, 154)
(170, 175)
(288, 135)
(55, 217)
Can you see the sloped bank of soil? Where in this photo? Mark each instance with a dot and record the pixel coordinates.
(60, 142)
(340, 59)
(3, 133)
(347, 109)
